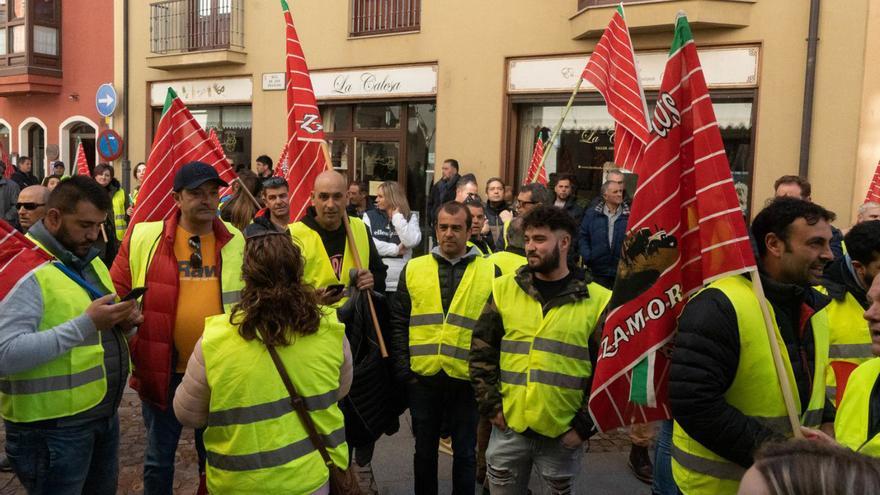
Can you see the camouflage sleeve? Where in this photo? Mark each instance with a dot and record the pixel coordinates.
(484, 359)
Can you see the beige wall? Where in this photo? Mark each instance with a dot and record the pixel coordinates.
(470, 41)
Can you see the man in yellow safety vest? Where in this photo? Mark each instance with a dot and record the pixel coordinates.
(723, 386)
(530, 360)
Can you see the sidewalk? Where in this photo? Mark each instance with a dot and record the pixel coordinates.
(605, 466)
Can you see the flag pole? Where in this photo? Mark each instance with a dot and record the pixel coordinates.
(247, 191)
(784, 384)
(357, 260)
(558, 128)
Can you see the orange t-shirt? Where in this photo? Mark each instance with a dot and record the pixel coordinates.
(198, 295)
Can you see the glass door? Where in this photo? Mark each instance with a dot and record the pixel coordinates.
(377, 161)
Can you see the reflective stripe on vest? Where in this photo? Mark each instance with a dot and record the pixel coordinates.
(145, 240)
(754, 392)
(119, 221)
(437, 342)
(545, 359)
(850, 341)
(507, 262)
(254, 439)
(317, 271)
(72, 382)
(851, 423)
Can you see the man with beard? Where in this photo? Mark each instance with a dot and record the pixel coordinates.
(276, 214)
(439, 298)
(723, 386)
(530, 361)
(846, 281)
(63, 353)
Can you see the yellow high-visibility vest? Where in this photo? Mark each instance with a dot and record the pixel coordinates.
(508, 262)
(119, 221)
(754, 392)
(850, 339)
(851, 422)
(317, 271)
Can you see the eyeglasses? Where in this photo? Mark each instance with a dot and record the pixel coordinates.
(274, 182)
(195, 259)
(28, 206)
(523, 204)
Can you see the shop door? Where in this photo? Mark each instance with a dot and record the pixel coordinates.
(377, 161)
(209, 24)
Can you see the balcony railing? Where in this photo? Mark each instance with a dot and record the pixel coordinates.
(180, 26)
(370, 17)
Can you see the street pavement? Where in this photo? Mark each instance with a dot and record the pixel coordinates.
(605, 465)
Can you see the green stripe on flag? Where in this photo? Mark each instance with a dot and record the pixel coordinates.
(638, 391)
(284, 5)
(169, 98)
(682, 33)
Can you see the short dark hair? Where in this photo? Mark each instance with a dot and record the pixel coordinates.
(804, 184)
(863, 241)
(495, 179)
(101, 167)
(265, 160)
(539, 192)
(59, 163)
(551, 217)
(24, 158)
(475, 202)
(68, 194)
(452, 163)
(570, 178)
(778, 216)
(362, 186)
(464, 181)
(452, 208)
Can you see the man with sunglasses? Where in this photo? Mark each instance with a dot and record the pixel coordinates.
(191, 264)
(9, 192)
(276, 214)
(31, 205)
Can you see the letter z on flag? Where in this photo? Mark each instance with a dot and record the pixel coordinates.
(685, 230)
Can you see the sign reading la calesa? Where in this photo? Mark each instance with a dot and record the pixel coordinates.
(368, 83)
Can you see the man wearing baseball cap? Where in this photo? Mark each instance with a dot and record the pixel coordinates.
(191, 266)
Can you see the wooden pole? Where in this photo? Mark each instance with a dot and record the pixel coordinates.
(784, 384)
(247, 191)
(558, 128)
(357, 260)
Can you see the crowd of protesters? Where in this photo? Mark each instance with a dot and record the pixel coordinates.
(261, 335)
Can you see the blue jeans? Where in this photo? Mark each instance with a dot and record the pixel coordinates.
(511, 456)
(163, 435)
(65, 459)
(664, 484)
(430, 402)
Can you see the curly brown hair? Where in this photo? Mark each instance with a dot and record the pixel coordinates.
(275, 304)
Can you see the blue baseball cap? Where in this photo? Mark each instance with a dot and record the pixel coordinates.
(194, 174)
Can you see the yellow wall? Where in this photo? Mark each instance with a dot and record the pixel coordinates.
(470, 41)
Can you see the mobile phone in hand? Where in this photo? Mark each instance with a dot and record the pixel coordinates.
(135, 293)
(333, 290)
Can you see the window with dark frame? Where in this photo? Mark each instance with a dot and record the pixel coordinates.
(372, 17)
(30, 37)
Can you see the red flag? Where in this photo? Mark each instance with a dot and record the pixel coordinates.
(874, 189)
(612, 70)
(179, 140)
(18, 258)
(82, 166)
(305, 133)
(534, 174)
(685, 230)
(215, 142)
(4, 156)
(282, 168)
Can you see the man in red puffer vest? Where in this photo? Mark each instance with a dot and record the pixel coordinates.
(191, 265)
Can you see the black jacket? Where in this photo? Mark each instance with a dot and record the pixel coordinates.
(839, 280)
(705, 360)
(493, 218)
(401, 306)
(24, 179)
(573, 209)
(442, 191)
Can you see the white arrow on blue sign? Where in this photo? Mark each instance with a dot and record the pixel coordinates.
(105, 100)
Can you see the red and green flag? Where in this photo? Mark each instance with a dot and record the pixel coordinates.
(685, 230)
(179, 139)
(304, 153)
(874, 189)
(82, 165)
(537, 172)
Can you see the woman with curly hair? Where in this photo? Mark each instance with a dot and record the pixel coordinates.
(254, 439)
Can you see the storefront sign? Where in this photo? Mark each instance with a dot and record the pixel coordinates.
(379, 82)
(204, 91)
(273, 81)
(733, 67)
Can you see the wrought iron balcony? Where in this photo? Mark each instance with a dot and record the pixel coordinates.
(183, 26)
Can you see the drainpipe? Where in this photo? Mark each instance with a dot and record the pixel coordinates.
(809, 87)
(126, 163)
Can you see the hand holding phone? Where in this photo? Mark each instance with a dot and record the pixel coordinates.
(135, 293)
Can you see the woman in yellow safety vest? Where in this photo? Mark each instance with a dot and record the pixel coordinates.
(117, 220)
(255, 441)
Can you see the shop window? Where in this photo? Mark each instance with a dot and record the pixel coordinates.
(30, 37)
(232, 124)
(371, 17)
(585, 145)
(380, 116)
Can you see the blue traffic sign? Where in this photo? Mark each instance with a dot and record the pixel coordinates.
(105, 100)
(109, 145)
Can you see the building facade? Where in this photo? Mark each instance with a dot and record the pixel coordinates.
(52, 61)
(405, 84)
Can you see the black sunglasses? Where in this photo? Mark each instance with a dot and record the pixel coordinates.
(28, 206)
(195, 259)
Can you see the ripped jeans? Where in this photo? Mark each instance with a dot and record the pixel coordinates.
(511, 455)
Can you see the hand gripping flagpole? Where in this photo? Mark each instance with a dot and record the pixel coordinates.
(558, 128)
(784, 383)
(357, 260)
